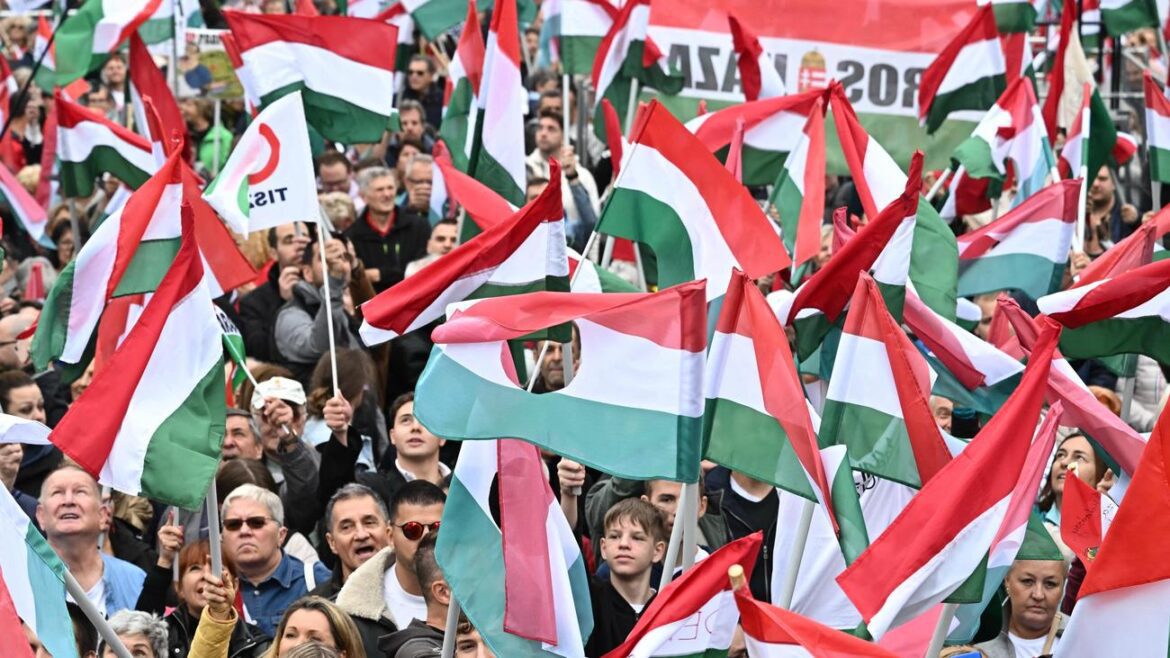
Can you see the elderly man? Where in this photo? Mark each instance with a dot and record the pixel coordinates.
(241, 439)
(73, 517)
(270, 579)
(357, 527)
(384, 238)
(419, 178)
(1034, 589)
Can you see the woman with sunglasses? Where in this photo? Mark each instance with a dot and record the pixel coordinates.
(313, 619)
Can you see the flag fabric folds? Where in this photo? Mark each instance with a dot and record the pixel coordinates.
(99, 27)
(969, 73)
(634, 411)
(89, 145)
(464, 80)
(772, 632)
(341, 65)
(676, 198)
(499, 160)
(757, 73)
(152, 421)
(524, 253)
(695, 615)
(543, 580)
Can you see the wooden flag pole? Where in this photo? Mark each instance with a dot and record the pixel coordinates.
(452, 628)
(797, 555)
(676, 539)
(942, 629)
(214, 538)
(113, 642)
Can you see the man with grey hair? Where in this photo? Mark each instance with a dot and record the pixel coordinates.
(270, 579)
(241, 438)
(385, 238)
(419, 176)
(145, 635)
(357, 526)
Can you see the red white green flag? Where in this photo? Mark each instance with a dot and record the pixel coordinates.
(945, 532)
(499, 161)
(524, 253)
(1127, 589)
(464, 77)
(799, 194)
(635, 412)
(772, 632)
(1157, 130)
(675, 197)
(89, 145)
(99, 27)
(969, 74)
(695, 615)
(151, 422)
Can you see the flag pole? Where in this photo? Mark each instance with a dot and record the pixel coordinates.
(95, 617)
(676, 539)
(942, 180)
(214, 538)
(942, 629)
(322, 225)
(632, 106)
(1082, 199)
(216, 145)
(797, 555)
(691, 529)
(641, 272)
(452, 628)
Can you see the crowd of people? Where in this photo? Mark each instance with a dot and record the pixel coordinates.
(330, 503)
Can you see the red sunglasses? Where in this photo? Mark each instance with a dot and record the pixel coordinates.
(414, 531)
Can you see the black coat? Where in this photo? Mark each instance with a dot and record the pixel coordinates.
(258, 316)
(391, 253)
(613, 618)
(248, 641)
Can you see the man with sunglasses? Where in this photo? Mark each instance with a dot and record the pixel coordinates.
(421, 87)
(270, 579)
(383, 595)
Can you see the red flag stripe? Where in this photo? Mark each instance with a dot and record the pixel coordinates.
(529, 605)
(361, 40)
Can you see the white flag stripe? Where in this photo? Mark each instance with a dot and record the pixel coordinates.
(277, 64)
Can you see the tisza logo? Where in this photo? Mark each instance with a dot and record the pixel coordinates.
(265, 197)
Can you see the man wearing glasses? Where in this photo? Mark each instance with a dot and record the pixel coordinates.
(383, 595)
(421, 87)
(270, 579)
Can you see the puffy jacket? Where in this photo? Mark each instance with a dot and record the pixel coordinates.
(243, 640)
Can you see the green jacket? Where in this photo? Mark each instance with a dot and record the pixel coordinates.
(205, 149)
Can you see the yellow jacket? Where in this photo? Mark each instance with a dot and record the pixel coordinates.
(213, 636)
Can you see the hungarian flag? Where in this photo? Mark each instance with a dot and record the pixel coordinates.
(449, 185)
(799, 193)
(945, 532)
(932, 257)
(1012, 130)
(971, 371)
(628, 53)
(1074, 155)
(100, 27)
(464, 76)
(757, 74)
(1016, 15)
(152, 421)
(1025, 249)
(35, 579)
(1125, 314)
(524, 253)
(676, 198)
(762, 425)
(1131, 253)
(341, 65)
(969, 74)
(1122, 603)
(128, 254)
(635, 412)
(881, 246)
(434, 17)
(886, 423)
(695, 615)
(89, 145)
(1124, 16)
(593, 277)
(1085, 516)
(268, 179)
(580, 25)
(537, 604)
(772, 632)
(1114, 435)
(28, 213)
(147, 81)
(233, 347)
(398, 16)
(772, 129)
(1157, 131)
(498, 157)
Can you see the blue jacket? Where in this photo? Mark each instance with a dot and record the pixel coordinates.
(267, 601)
(123, 583)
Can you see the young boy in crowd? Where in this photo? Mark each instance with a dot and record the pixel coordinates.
(635, 539)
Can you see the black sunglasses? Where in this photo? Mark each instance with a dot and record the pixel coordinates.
(254, 522)
(414, 531)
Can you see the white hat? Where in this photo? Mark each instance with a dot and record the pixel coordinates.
(289, 390)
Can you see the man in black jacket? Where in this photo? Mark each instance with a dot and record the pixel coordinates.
(386, 238)
(423, 638)
(258, 308)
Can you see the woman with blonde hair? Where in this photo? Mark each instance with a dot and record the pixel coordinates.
(313, 619)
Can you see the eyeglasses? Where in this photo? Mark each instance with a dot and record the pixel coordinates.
(254, 522)
(414, 531)
(418, 72)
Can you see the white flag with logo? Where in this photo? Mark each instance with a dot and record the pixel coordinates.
(268, 179)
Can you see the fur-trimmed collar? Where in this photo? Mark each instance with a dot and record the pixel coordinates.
(361, 595)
